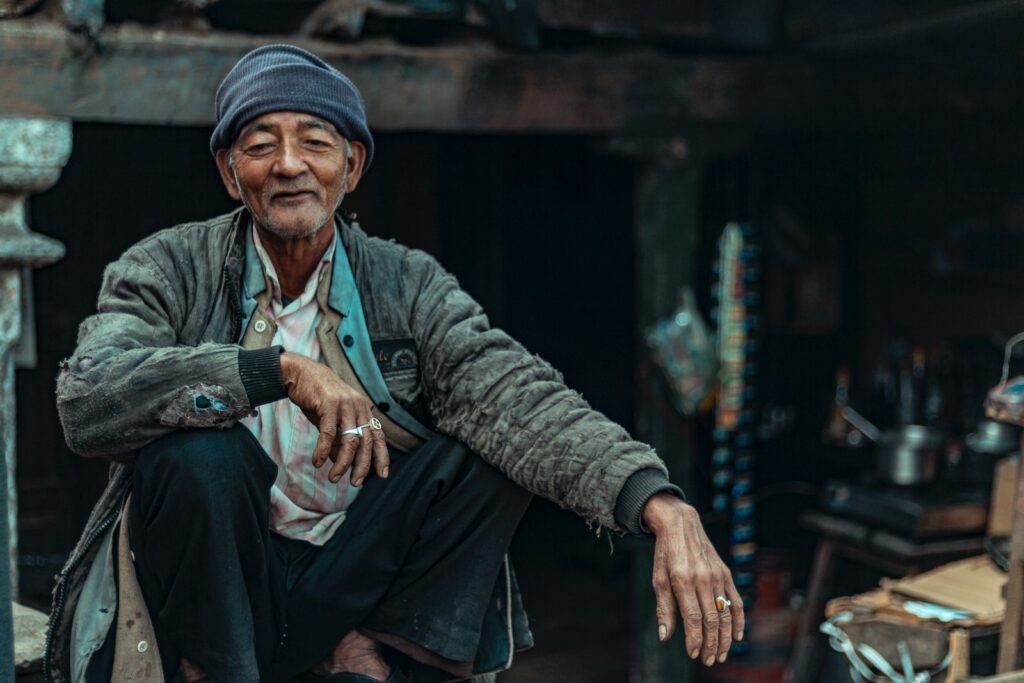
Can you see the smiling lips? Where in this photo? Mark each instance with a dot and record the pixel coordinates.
(294, 195)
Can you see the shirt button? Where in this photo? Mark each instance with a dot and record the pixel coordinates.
(142, 646)
(347, 340)
(260, 326)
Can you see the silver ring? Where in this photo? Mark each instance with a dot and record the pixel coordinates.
(722, 603)
(373, 424)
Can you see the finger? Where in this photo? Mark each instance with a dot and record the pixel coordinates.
(709, 620)
(364, 451)
(345, 453)
(346, 448)
(665, 602)
(738, 618)
(381, 457)
(693, 618)
(724, 617)
(328, 427)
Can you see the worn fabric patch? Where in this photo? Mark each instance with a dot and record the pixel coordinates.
(396, 354)
(198, 405)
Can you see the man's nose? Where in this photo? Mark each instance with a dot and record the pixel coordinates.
(289, 161)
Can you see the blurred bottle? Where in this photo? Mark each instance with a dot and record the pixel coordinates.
(919, 385)
(837, 430)
(905, 404)
(937, 400)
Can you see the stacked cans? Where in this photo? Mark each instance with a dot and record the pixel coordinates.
(736, 297)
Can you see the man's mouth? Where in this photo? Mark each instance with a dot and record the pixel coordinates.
(291, 196)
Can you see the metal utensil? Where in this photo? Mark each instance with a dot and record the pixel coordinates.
(862, 423)
(906, 456)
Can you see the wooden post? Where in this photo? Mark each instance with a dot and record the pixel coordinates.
(665, 234)
(804, 659)
(959, 655)
(1010, 637)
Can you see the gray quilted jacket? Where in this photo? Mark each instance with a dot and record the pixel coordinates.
(169, 319)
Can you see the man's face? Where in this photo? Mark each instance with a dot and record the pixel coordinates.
(291, 172)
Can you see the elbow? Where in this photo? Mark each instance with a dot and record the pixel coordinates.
(79, 430)
(81, 425)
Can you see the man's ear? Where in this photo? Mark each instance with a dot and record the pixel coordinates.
(227, 176)
(355, 166)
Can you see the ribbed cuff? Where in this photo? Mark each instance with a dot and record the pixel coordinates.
(635, 493)
(260, 370)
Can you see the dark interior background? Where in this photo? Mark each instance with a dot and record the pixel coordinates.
(915, 233)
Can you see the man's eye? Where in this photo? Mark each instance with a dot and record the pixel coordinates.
(260, 148)
(317, 143)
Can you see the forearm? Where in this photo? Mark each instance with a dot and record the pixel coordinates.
(513, 409)
(113, 401)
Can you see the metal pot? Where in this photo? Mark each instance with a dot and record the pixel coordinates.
(994, 437)
(906, 456)
(986, 445)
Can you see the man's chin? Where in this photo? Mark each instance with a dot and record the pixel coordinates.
(294, 229)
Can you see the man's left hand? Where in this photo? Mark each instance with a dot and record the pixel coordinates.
(688, 577)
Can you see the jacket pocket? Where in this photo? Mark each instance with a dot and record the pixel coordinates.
(396, 356)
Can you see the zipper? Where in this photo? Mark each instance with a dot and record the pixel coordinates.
(62, 584)
(236, 307)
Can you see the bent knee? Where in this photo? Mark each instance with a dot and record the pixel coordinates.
(206, 459)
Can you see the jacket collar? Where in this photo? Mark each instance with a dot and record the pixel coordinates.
(254, 281)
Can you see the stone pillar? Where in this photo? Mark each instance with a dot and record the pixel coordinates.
(33, 151)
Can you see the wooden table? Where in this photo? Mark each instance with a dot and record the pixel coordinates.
(844, 539)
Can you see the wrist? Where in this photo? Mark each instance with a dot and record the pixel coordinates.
(290, 366)
(664, 509)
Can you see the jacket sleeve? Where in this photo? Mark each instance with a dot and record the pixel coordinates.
(129, 381)
(513, 408)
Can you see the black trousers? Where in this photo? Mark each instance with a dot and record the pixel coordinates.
(416, 560)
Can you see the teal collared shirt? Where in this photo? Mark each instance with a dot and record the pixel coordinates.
(352, 333)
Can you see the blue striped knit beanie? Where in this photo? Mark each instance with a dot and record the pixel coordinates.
(287, 78)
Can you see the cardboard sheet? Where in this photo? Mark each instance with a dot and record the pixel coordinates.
(974, 585)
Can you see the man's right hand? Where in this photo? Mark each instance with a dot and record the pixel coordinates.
(333, 406)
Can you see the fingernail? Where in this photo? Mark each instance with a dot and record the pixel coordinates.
(709, 661)
(662, 632)
(693, 655)
(739, 638)
(334, 478)
(357, 482)
(384, 474)
(721, 657)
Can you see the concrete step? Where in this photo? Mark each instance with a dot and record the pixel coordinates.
(29, 643)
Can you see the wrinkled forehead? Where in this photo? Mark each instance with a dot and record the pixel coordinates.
(280, 122)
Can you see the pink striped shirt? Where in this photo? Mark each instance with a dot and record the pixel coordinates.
(304, 504)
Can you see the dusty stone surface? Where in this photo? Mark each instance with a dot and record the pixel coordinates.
(29, 638)
(33, 150)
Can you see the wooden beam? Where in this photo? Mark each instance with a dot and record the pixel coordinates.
(142, 75)
(669, 18)
(873, 24)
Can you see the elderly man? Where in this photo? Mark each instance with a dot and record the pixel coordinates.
(321, 447)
